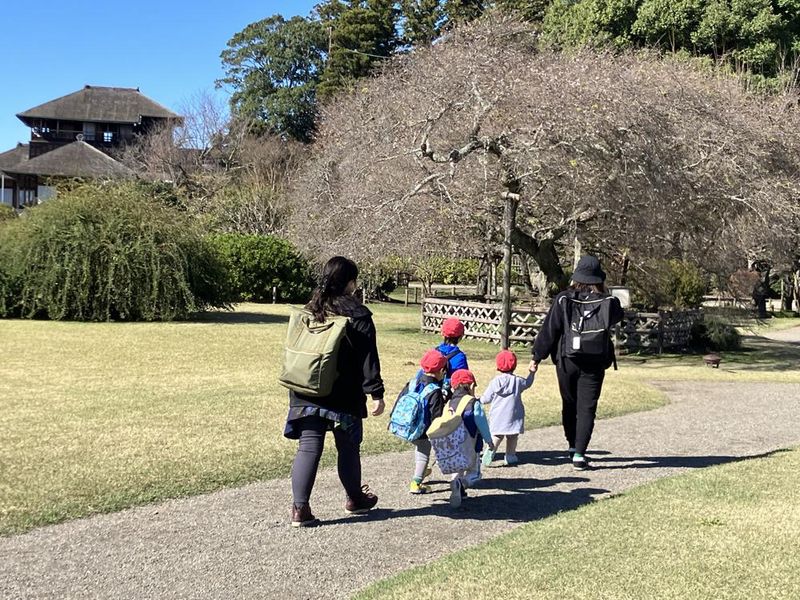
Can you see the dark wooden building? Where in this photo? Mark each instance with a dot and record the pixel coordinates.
(74, 136)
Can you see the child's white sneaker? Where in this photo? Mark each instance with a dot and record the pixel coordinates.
(473, 477)
(511, 459)
(455, 493)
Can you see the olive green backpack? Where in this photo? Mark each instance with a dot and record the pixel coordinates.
(311, 353)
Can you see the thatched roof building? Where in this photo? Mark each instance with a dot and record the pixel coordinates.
(100, 105)
(74, 136)
(77, 159)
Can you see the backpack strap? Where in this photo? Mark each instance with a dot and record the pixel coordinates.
(452, 353)
(464, 404)
(428, 390)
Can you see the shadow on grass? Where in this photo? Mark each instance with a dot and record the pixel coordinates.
(665, 462)
(238, 317)
(762, 354)
(758, 354)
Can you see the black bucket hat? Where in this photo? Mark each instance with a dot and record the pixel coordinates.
(588, 271)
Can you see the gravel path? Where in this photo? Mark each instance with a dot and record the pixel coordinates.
(237, 543)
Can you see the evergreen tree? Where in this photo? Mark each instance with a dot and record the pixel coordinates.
(273, 66)
(463, 11)
(422, 21)
(529, 10)
(361, 33)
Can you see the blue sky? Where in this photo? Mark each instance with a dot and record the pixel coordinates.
(169, 49)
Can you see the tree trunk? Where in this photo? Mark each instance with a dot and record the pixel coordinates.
(623, 280)
(526, 273)
(787, 293)
(545, 255)
(796, 283)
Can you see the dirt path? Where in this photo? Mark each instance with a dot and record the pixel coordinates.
(237, 543)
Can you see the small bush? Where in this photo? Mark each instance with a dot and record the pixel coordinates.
(715, 334)
(7, 213)
(256, 263)
(105, 252)
(673, 283)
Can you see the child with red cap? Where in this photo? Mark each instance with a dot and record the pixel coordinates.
(507, 415)
(463, 384)
(434, 368)
(452, 332)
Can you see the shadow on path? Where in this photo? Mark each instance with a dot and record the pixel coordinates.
(522, 500)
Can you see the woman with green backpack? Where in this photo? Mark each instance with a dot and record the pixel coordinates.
(340, 409)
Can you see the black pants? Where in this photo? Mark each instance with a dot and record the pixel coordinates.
(312, 441)
(580, 387)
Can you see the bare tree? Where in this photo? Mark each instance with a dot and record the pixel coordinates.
(627, 152)
(220, 168)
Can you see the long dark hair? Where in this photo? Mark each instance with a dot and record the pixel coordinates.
(337, 273)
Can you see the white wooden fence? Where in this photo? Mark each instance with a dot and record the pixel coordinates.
(638, 332)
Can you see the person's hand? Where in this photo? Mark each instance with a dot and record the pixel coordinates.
(377, 407)
(534, 366)
(490, 446)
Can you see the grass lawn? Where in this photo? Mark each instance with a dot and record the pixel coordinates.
(99, 417)
(725, 532)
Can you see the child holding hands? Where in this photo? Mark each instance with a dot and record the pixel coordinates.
(463, 382)
(507, 414)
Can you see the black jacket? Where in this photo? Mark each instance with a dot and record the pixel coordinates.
(548, 340)
(358, 364)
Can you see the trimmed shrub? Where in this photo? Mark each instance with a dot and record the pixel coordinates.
(105, 252)
(713, 333)
(256, 263)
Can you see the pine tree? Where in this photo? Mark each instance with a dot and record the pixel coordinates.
(422, 21)
(463, 11)
(361, 33)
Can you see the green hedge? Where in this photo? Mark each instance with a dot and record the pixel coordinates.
(107, 252)
(256, 263)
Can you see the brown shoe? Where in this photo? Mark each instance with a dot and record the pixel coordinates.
(302, 517)
(365, 501)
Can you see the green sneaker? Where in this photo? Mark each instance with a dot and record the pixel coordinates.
(487, 458)
(418, 488)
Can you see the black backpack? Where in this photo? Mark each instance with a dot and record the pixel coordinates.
(587, 328)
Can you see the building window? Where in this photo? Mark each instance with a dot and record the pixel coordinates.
(108, 137)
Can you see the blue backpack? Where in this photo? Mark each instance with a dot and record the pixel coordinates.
(409, 417)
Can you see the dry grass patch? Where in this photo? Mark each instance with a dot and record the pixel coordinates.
(725, 532)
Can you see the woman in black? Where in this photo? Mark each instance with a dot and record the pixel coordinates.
(580, 378)
(342, 411)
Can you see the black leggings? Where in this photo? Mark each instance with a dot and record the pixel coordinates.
(580, 387)
(312, 441)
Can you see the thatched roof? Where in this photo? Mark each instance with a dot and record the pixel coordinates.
(100, 104)
(13, 157)
(77, 159)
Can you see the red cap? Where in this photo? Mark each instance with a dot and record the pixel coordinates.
(461, 377)
(506, 361)
(433, 361)
(452, 328)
